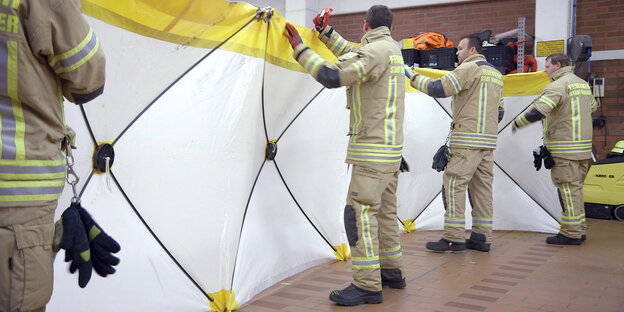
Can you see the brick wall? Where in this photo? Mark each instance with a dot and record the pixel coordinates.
(603, 20)
(453, 20)
(612, 105)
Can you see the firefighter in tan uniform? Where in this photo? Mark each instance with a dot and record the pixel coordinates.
(477, 88)
(47, 51)
(373, 74)
(565, 108)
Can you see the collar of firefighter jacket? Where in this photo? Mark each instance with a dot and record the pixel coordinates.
(474, 58)
(375, 34)
(560, 72)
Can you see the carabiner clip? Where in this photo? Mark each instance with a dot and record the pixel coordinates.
(72, 178)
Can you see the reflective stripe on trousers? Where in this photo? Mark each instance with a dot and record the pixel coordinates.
(468, 169)
(573, 223)
(372, 195)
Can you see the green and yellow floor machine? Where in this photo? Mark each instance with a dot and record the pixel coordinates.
(603, 190)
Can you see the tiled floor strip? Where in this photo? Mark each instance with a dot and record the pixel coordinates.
(520, 273)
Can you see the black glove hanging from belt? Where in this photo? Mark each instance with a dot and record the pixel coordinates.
(404, 167)
(86, 245)
(549, 162)
(537, 159)
(71, 235)
(441, 158)
(542, 153)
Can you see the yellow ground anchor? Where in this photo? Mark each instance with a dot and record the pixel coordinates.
(409, 225)
(342, 252)
(223, 301)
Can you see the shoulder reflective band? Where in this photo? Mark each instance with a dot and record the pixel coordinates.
(77, 56)
(484, 63)
(548, 101)
(455, 82)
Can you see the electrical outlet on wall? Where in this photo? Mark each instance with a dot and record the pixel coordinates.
(599, 87)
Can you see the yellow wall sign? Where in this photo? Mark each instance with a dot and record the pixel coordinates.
(546, 48)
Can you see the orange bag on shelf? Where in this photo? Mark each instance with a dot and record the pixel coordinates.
(431, 40)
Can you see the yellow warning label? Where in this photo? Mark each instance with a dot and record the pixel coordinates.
(546, 48)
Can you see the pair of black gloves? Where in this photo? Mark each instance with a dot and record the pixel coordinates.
(542, 153)
(87, 247)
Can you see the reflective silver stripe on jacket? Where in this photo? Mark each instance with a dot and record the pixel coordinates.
(469, 139)
(482, 108)
(33, 169)
(391, 111)
(576, 119)
(8, 81)
(31, 190)
(374, 152)
(566, 147)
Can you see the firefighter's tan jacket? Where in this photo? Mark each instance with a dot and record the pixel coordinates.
(567, 103)
(374, 76)
(47, 51)
(477, 90)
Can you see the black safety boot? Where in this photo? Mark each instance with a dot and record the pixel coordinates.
(353, 295)
(477, 242)
(392, 278)
(583, 237)
(444, 245)
(560, 239)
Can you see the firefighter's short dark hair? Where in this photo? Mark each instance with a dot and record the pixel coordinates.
(474, 41)
(560, 58)
(379, 15)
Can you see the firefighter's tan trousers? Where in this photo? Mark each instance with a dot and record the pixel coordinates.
(371, 225)
(568, 176)
(26, 271)
(470, 168)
